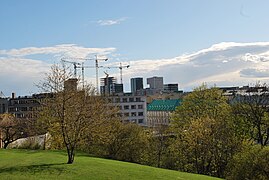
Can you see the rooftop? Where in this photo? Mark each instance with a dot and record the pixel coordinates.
(164, 105)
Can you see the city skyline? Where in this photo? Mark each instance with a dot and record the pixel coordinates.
(187, 42)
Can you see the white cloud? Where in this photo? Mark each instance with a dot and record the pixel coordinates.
(110, 22)
(223, 64)
(67, 50)
(20, 69)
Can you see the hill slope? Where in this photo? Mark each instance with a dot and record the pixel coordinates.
(27, 164)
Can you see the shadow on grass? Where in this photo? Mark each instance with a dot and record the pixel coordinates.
(33, 169)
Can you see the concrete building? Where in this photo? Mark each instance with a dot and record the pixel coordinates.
(133, 108)
(136, 84)
(155, 83)
(159, 111)
(71, 84)
(170, 87)
(116, 88)
(23, 106)
(106, 82)
(3, 105)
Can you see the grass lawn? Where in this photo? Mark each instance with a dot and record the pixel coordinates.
(28, 164)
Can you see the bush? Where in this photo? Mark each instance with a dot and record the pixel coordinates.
(251, 163)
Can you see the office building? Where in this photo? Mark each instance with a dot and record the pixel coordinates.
(136, 84)
(155, 83)
(170, 87)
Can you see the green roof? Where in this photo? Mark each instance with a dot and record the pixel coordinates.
(164, 105)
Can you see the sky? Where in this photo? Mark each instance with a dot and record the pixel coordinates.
(189, 42)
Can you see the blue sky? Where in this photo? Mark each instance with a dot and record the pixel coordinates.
(147, 34)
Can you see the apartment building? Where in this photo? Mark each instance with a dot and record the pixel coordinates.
(133, 108)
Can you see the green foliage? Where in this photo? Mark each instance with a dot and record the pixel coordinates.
(251, 163)
(127, 142)
(202, 102)
(251, 113)
(23, 164)
(205, 135)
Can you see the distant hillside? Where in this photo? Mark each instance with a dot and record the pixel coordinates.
(28, 164)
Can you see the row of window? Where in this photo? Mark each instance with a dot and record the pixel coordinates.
(131, 107)
(28, 101)
(133, 114)
(130, 99)
(16, 109)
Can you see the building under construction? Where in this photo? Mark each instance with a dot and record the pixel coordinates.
(110, 87)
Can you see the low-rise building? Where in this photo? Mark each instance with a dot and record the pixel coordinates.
(159, 111)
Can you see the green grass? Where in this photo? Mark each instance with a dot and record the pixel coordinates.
(27, 164)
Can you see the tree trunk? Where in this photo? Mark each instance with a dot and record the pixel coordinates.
(5, 145)
(71, 156)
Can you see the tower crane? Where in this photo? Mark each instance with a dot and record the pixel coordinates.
(81, 65)
(75, 64)
(120, 67)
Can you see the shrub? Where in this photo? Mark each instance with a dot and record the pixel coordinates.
(251, 163)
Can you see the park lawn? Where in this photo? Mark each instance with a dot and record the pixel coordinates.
(32, 164)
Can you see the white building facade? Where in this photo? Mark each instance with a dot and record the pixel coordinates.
(132, 108)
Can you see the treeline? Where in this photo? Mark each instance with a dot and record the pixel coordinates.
(209, 134)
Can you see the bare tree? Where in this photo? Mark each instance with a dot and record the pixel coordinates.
(11, 129)
(69, 112)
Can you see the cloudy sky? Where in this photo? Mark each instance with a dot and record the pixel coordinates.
(188, 42)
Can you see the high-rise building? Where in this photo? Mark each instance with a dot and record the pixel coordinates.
(110, 87)
(116, 88)
(155, 83)
(106, 84)
(136, 84)
(170, 87)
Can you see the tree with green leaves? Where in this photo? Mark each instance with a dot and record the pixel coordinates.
(205, 137)
(252, 113)
(70, 112)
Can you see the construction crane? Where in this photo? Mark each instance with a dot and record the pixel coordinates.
(75, 64)
(120, 67)
(81, 65)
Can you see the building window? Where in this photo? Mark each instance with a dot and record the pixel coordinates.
(131, 99)
(140, 106)
(140, 121)
(117, 100)
(133, 114)
(124, 99)
(140, 113)
(133, 107)
(138, 99)
(126, 114)
(126, 107)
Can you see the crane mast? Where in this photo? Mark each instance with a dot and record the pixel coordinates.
(120, 67)
(75, 64)
(81, 65)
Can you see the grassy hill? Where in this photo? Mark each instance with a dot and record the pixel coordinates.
(27, 164)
